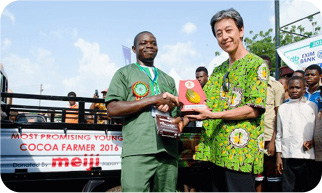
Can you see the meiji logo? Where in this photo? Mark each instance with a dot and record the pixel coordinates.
(77, 162)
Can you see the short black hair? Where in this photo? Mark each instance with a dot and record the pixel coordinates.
(314, 67)
(296, 78)
(202, 68)
(137, 36)
(300, 71)
(225, 14)
(71, 94)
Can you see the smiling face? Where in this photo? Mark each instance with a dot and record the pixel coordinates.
(296, 88)
(146, 48)
(228, 35)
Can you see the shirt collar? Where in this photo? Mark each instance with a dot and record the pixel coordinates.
(302, 99)
(307, 91)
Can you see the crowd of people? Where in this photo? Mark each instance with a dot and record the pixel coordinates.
(98, 109)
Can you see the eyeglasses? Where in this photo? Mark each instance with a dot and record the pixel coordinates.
(225, 82)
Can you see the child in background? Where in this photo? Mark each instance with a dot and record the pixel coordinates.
(313, 75)
(283, 81)
(294, 138)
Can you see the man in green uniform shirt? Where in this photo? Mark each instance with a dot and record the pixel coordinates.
(233, 138)
(138, 92)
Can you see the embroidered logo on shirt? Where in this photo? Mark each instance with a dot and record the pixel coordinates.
(236, 98)
(223, 94)
(140, 89)
(260, 142)
(263, 71)
(239, 137)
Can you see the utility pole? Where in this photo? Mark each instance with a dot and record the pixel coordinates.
(41, 89)
(277, 39)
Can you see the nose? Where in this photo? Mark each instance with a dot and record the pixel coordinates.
(149, 45)
(224, 35)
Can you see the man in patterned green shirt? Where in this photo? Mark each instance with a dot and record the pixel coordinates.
(236, 92)
(137, 92)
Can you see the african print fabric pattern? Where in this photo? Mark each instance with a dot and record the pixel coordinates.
(236, 145)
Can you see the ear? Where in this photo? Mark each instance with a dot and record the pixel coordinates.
(133, 49)
(241, 33)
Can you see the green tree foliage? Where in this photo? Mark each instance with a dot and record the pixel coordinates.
(263, 43)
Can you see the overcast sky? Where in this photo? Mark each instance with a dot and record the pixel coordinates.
(77, 45)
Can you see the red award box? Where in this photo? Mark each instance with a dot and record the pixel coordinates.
(191, 95)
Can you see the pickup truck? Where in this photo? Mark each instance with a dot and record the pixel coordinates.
(40, 152)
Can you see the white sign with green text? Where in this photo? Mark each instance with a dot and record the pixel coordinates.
(301, 54)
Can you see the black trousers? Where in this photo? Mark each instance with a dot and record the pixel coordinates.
(225, 180)
(317, 172)
(297, 175)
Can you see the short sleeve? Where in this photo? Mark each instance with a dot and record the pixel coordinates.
(256, 86)
(278, 139)
(279, 93)
(118, 87)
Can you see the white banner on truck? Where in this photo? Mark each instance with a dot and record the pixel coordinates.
(301, 54)
(53, 150)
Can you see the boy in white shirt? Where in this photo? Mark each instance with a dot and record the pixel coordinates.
(294, 138)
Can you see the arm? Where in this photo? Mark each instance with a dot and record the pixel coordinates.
(123, 108)
(307, 145)
(240, 113)
(279, 163)
(278, 100)
(93, 105)
(271, 144)
(278, 145)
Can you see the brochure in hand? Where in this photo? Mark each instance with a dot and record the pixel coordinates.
(165, 128)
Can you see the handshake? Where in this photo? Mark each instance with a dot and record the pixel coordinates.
(165, 102)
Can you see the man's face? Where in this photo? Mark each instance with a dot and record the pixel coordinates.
(202, 77)
(312, 76)
(71, 103)
(228, 35)
(296, 89)
(146, 48)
